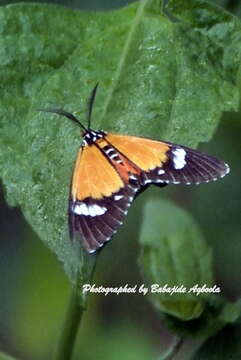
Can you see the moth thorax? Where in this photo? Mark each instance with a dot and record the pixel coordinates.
(92, 136)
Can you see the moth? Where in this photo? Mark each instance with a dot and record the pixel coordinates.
(112, 169)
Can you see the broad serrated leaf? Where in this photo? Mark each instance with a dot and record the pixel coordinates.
(151, 84)
(208, 43)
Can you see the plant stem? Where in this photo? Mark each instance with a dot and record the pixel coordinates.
(183, 349)
(74, 313)
(70, 327)
(172, 351)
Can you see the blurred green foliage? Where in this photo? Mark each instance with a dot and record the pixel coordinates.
(174, 253)
(6, 357)
(173, 81)
(226, 345)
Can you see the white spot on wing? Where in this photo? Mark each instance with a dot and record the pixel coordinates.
(118, 197)
(135, 189)
(80, 209)
(91, 251)
(227, 169)
(91, 210)
(179, 158)
(99, 210)
(161, 172)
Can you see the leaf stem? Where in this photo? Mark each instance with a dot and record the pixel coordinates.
(184, 348)
(172, 351)
(120, 66)
(74, 313)
(70, 327)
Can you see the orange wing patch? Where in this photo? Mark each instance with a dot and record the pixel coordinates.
(93, 175)
(145, 153)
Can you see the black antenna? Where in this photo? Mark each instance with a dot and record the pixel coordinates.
(66, 114)
(90, 104)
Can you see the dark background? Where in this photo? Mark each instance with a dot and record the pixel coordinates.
(34, 290)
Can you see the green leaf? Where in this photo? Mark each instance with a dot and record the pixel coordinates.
(174, 255)
(208, 44)
(152, 83)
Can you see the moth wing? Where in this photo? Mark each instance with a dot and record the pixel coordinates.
(109, 174)
(163, 162)
(99, 199)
